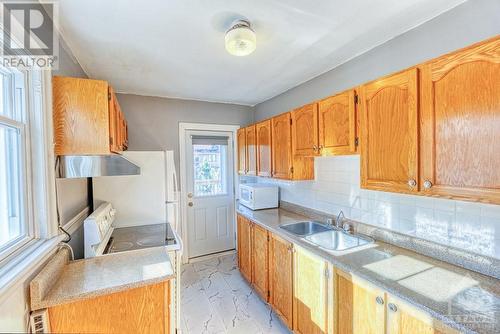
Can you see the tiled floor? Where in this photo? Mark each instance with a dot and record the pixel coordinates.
(216, 299)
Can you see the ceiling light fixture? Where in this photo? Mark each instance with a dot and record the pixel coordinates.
(240, 39)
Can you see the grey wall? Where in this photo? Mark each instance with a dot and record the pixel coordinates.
(72, 193)
(466, 24)
(153, 122)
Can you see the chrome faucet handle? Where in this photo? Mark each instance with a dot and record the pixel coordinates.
(329, 221)
(347, 228)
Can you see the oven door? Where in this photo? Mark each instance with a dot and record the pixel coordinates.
(246, 196)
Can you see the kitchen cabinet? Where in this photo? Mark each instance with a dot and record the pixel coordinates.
(251, 144)
(389, 133)
(260, 261)
(87, 118)
(305, 130)
(337, 124)
(284, 164)
(245, 247)
(242, 151)
(360, 306)
(140, 310)
(263, 130)
(281, 278)
(460, 127)
(310, 293)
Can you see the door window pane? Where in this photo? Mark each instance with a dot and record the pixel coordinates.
(11, 188)
(210, 172)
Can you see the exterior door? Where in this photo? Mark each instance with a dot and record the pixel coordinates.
(281, 147)
(281, 278)
(209, 175)
(264, 148)
(245, 247)
(251, 143)
(460, 132)
(389, 121)
(305, 130)
(337, 124)
(242, 151)
(260, 260)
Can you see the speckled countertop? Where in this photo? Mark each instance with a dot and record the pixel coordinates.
(63, 281)
(460, 298)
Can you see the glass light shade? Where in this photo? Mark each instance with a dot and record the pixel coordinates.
(240, 41)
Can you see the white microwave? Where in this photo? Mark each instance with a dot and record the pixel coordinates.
(258, 196)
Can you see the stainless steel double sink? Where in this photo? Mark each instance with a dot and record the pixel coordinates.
(327, 237)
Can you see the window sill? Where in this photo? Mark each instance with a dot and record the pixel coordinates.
(19, 269)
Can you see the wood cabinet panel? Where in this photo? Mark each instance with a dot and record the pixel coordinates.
(141, 310)
(281, 147)
(460, 128)
(305, 130)
(242, 151)
(264, 148)
(357, 307)
(337, 124)
(251, 143)
(389, 118)
(281, 278)
(80, 115)
(310, 303)
(245, 247)
(260, 261)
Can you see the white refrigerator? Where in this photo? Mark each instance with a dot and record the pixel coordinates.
(148, 198)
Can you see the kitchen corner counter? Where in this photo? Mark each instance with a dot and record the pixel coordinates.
(462, 299)
(63, 281)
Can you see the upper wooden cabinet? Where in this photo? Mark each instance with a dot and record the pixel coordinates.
(460, 127)
(337, 124)
(242, 151)
(87, 118)
(305, 130)
(389, 133)
(264, 148)
(251, 144)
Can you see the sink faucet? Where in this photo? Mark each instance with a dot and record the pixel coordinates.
(339, 220)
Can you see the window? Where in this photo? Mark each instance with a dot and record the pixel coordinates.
(14, 221)
(210, 172)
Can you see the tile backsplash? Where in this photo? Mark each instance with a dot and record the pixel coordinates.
(467, 225)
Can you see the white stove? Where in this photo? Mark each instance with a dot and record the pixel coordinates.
(102, 237)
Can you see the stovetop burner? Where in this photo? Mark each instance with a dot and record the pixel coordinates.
(138, 237)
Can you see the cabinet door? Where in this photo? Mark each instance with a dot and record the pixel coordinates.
(114, 127)
(80, 116)
(281, 278)
(405, 319)
(251, 141)
(360, 306)
(264, 148)
(460, 132)
(310, 303)
(245, 247)
(305, 130)
(337, 124)
(389, 117)
(260, 278)
(242, 151)
(281, 147)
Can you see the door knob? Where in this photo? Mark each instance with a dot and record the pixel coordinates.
(190, 195)
(190, 204)
(412, 182)
(427, 184)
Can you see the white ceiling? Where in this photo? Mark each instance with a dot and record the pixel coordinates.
(175, 48)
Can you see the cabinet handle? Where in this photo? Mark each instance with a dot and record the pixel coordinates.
(412, 182)
(393, 307)
(427, 184)
(379, 300)
(315, 148)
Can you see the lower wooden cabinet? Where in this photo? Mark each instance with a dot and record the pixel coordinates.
(310, 289)
(260, 261)
(245, 247)
(140, 310)
(281, 278)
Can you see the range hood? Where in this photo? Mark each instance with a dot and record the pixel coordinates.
(77, 166)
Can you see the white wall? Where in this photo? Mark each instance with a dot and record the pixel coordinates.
(467, 225)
